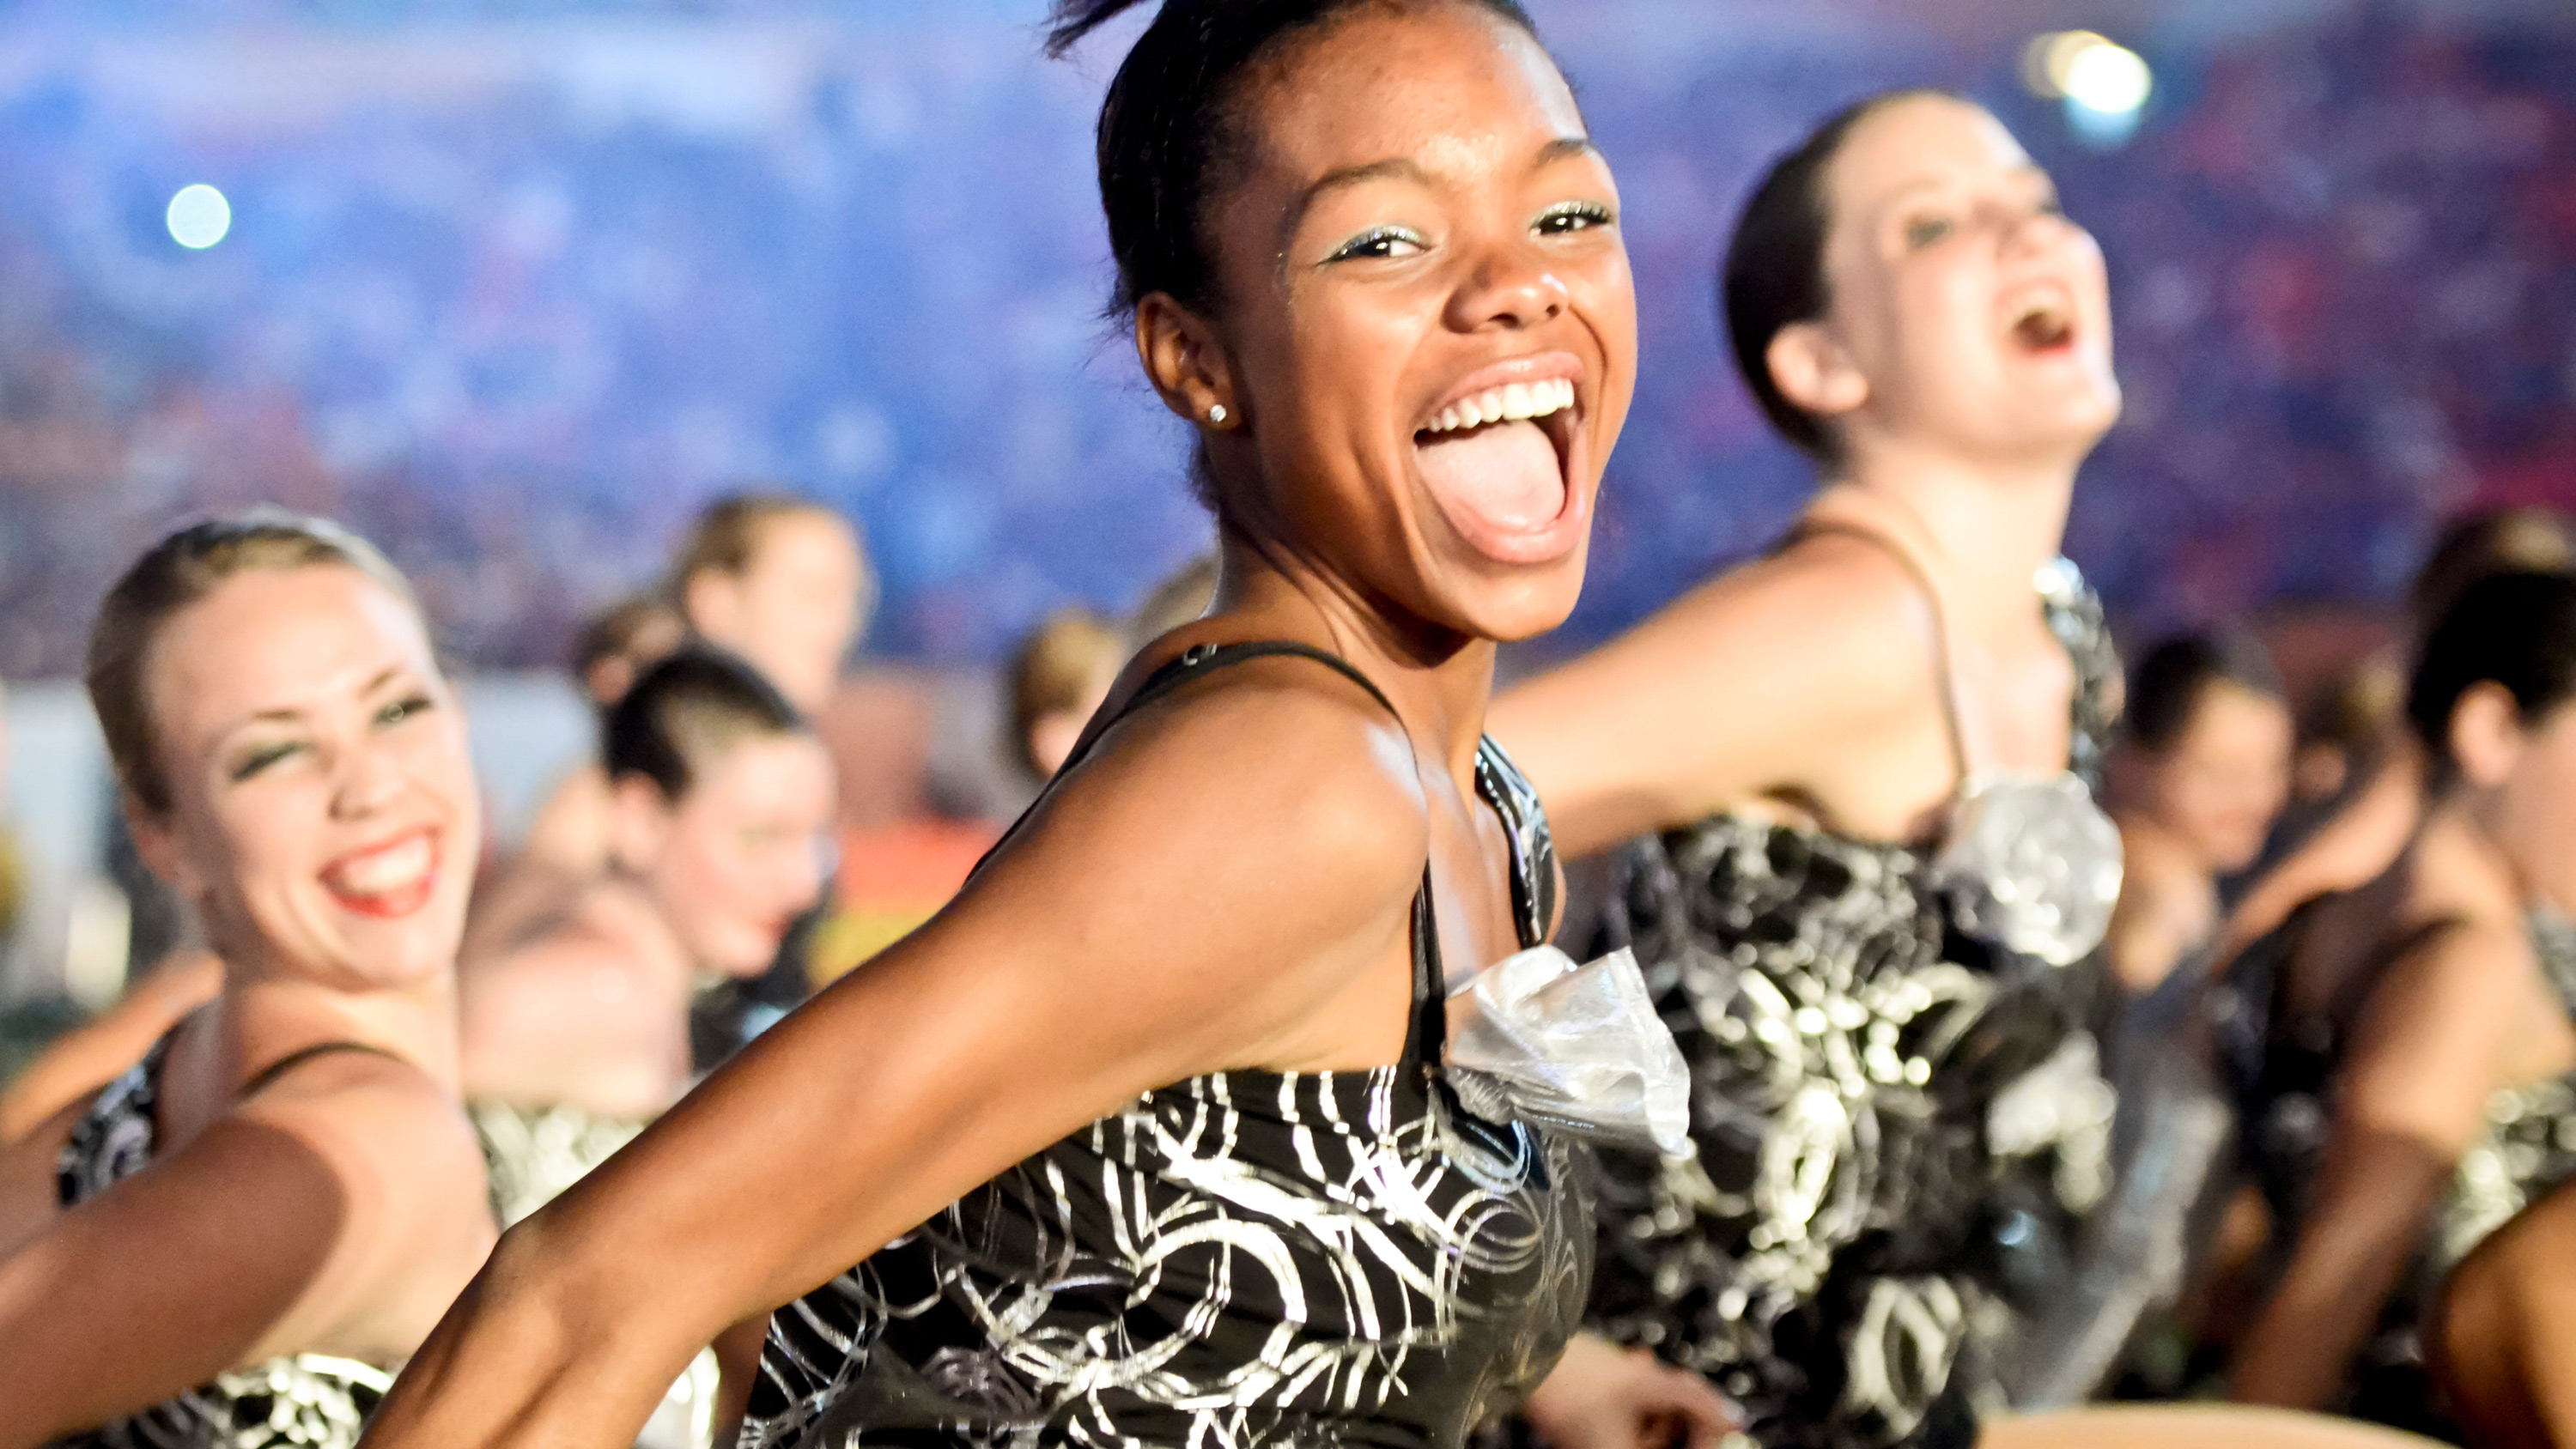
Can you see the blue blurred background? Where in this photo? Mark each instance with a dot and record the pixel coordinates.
(514, 287)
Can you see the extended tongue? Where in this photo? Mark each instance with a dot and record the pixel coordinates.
(1503, 476)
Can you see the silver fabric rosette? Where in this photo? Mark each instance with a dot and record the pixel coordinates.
(2032, 864)
(1537, 1038)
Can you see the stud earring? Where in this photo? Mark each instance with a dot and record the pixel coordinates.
(1216, 415)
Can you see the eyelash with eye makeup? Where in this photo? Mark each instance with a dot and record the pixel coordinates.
(1591, 212)
(406, 708)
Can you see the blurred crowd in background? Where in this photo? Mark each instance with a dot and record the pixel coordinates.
(516, 293)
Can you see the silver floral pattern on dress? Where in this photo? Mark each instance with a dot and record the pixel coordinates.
(1898, 1127)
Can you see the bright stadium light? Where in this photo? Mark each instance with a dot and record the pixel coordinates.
(199, 217)
(2112, 79)
(2103, 83)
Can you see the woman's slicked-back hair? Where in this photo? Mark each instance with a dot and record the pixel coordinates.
(1169, 125)
(726, 534)
(175, 573)
(2166, 688)
(684, 712)
(2515, 630)
(1773, 276)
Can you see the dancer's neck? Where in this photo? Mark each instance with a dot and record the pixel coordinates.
(1441, 682)
(1986, 530)
(263, 1015)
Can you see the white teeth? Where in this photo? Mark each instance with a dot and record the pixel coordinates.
(384, 871)
(1514, 401)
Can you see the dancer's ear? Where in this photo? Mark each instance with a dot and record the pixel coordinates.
(156, 844)
(639, 823)
(1186, 362)
(1814, 371)
(2486, 734)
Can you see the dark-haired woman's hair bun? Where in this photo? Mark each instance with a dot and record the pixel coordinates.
(2515, 630)
(1169, 122)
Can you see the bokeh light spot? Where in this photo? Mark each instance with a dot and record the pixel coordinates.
(2112, 79)
(199, 217)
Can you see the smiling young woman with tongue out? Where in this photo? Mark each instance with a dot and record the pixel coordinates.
(231, 1243)
(1146, 1138)
(1866, 875)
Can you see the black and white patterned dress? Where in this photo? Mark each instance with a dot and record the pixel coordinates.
(1897, 1128)
(1247, 1257)
(306, 1401)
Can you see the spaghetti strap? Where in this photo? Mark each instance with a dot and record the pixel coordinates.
(268, 1076)
(1426, 1035)
(1944, 680)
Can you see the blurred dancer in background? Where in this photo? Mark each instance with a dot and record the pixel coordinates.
(780, 580)
(783, 583)
(1790, 746)
(2200, 773)
(1375, 263)
(2381, 779)
(719, 811)
(575, 1036)
(2503, 1330)
(295, 765)
(2421, 1028)
(1058, 678)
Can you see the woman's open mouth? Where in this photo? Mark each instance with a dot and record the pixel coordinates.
(1497, 455)
(386, 881)
(2043, 324)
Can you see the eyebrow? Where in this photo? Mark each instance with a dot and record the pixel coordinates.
(1403, 168)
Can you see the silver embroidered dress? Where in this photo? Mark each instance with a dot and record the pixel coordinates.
(1897, 1127)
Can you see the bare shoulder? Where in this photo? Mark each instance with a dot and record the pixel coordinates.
(2450, 999)
(1284, 747)
(375, 1115)
(1835, 593)
(1831, 622)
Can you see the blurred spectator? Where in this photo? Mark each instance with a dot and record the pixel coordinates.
(2195, 785)
(1060, 675)
(779, 580)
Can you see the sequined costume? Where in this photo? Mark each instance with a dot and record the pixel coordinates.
(2285, 1062)
(1897, 1128)
(305, 1401)
(1246, 1257)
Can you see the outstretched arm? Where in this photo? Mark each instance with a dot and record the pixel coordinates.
(1757, 683)
(1221, 885)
